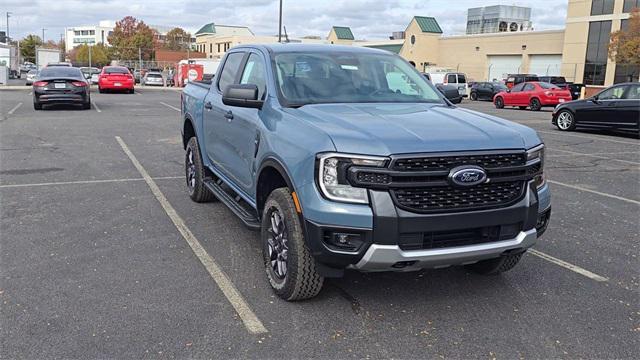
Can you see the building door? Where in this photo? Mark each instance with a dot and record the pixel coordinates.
(501, 65)
(545, 65)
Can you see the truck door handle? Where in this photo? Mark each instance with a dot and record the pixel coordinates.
(229, 115)
(208, 105)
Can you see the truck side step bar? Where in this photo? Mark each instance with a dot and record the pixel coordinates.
(234, 203)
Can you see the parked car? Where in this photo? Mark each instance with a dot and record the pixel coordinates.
(26, 67)
(450, 92)
(515, 79)
(61, 85)
(95, 79)
(153, 79)
(614, 108)
(59, 64)
(562, 83)
(485, 90)
(116, 78)
(31, 76)
(89, 71)
(388, 176)
(534, 95)
(458, 80)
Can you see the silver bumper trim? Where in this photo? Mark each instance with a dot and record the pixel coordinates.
(382, 257)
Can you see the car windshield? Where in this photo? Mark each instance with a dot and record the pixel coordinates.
(343, 77)
(61, 71)
(154, 76)
(545, 85)
(116, 70)
(499, 86)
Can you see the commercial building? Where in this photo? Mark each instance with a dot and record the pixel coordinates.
(88, 34)
(498, 18)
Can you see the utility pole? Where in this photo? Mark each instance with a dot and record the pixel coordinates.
(90, 55)
(9, 41)
(140, 58)
(280, 24)
(8, 16)
(43, 29)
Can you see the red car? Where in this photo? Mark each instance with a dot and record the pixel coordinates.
(532, 94)
(115, 78)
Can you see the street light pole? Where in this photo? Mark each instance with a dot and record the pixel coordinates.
(280, 24)
(43, 29)
(8, 16)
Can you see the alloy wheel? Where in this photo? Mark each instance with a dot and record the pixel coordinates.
(191, 170)
(565, 120)
(277, 244)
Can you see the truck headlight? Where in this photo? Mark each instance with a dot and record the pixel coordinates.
(332, 176)
(534, 154)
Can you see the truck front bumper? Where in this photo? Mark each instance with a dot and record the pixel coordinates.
(384, 245)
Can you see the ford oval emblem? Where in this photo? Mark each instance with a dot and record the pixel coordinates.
(467, 175)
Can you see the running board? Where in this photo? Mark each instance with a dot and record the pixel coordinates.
(234, 203)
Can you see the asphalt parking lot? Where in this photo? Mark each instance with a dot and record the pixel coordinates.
(92, 266)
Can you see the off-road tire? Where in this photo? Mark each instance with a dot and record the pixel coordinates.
(495, 266)
(302, 280)
(499, 102)
(199, 192)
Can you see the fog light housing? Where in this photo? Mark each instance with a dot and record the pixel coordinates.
(543, 222)
(344, 241)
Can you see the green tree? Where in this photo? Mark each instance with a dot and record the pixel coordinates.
(128, 36)
(28, 47)
(177, 40)
(625, 44)
(100, 55)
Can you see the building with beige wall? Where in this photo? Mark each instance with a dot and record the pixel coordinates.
(340, 35)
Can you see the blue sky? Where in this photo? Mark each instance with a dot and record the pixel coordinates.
(369, 19)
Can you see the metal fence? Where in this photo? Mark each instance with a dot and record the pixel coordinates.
(494, 72)
(134, 64)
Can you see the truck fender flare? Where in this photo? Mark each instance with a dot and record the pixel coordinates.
(276, 164)
(187, 119)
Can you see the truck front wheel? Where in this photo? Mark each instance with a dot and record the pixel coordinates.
(194, 172)
(495, 266)
(290, 268)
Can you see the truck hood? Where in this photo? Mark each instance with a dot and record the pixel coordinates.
(392, 128)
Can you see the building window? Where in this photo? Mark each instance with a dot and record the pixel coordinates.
(602, 7)
(597, 52)
(413, 39)
(210, 47)
(630, 5)
(92, 32)
(218, 47)
(624, 72)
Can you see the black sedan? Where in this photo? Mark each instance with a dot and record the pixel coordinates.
(614, 108)
(61, 85)
(486, 90)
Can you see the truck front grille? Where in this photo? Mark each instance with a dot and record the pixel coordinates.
(449, 198)
(461, 237)
(487, 161)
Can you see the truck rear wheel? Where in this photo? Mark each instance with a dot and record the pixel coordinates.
(194, 172)
(290, 268)
(495, 266)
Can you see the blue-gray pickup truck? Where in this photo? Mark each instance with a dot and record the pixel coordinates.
(347, 158)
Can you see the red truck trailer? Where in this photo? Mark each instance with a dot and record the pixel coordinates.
(188, 72)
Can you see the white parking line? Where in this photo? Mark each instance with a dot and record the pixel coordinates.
(80, 182)
(567, 265)
(96, 107)
(250, 320)
(170, 106)
(588, 137)
(595, 192)
(598, 156)
(15, 108)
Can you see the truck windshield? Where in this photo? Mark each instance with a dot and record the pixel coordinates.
(316, 78)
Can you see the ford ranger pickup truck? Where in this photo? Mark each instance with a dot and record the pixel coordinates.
(347, 158)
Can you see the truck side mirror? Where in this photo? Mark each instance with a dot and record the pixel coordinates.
(242, 95)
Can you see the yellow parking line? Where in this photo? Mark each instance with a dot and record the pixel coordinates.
(248, 317)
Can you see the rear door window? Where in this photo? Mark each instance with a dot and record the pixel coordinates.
(528, 87)
(462, 79)
(451, 79)
(612, 93)
(230, 70)
(633, 93)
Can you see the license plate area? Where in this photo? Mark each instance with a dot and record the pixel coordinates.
(59, 86)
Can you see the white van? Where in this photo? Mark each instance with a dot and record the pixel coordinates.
(450, 78)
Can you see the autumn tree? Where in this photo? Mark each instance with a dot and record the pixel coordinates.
(28, 47)
(625, 43)
(128, 36)
(177, 40)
